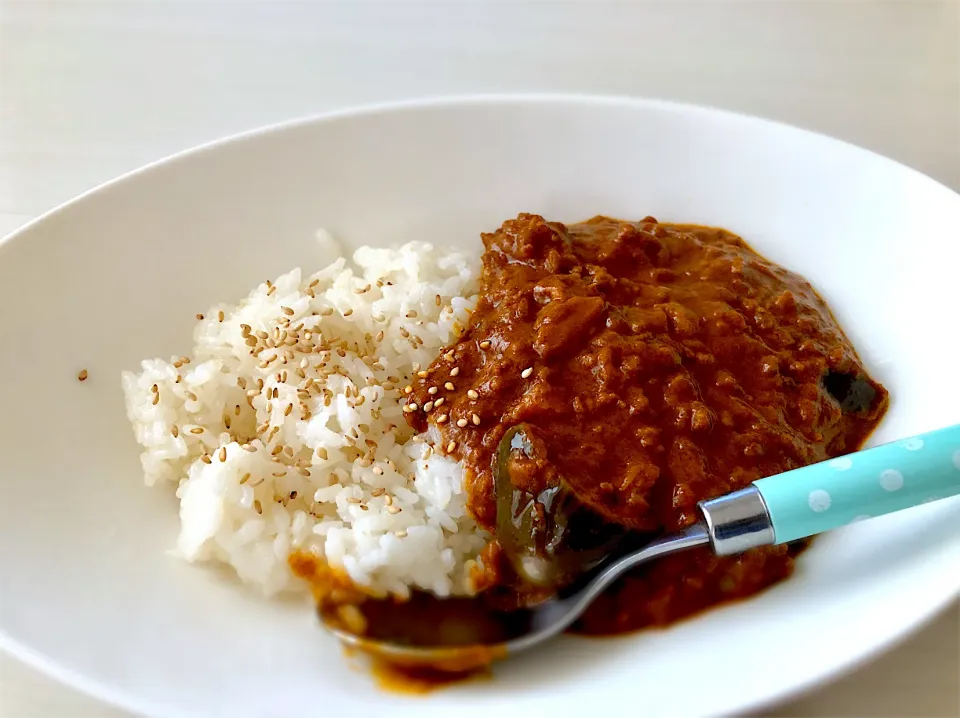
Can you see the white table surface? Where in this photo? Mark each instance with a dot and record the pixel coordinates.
(92, 88)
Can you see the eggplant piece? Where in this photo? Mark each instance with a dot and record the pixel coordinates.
(854, 393)
(548, 535)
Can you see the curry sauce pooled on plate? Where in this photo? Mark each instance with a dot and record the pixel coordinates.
(653, 366)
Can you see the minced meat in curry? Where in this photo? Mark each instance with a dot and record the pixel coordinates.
(654, 366)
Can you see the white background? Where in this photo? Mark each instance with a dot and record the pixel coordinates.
(92, 88)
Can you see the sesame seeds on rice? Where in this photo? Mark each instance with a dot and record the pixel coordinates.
(284, 428)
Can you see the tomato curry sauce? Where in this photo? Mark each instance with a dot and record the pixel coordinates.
(653, 366)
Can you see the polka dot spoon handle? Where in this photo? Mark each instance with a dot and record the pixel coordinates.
(869, 483)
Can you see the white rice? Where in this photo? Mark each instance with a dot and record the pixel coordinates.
(243, 504)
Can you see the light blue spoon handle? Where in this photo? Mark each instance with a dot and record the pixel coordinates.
(859, 486)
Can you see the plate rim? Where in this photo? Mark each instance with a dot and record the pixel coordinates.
(464, 100)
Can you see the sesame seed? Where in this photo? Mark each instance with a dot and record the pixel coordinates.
(449, 356)
(393, 509)
(402, 533)
(378, 471)
(257, 506)
(220, 316)
(462, 423)
(206, 459)
(432, 390)
(82, 376)
(241, 382)
(248, 447)
(378, 492)
(286, 412)
(472, 394)
(413, 407)
(327, 312)
(223, 453)
(199, 317)
(423, 374)
(156, 399)
(175, 430)
(305, 473)
(451, 446)
(439, 402)
(276, 450)
(455, 371)
(438, 300)
(287, 310)
(244, 478)
(442, 419)
(428, 406)
(154, 388)
(322, 453)
(353, 500)
(348, 312)
(314, 283)
(476, 420)
(485, 344)
(449, 386)
(525, 374)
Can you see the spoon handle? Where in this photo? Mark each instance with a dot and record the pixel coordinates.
(859, 486)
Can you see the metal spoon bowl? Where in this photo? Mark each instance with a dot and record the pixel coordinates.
(543, 621)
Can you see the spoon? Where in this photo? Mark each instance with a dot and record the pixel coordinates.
(774, 510)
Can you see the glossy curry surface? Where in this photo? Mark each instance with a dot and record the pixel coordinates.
(654, 366)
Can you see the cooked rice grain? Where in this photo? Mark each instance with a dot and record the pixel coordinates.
(284, 428)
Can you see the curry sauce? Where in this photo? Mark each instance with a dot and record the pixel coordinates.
(653, 366)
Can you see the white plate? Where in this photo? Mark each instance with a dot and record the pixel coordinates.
(89, 593)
